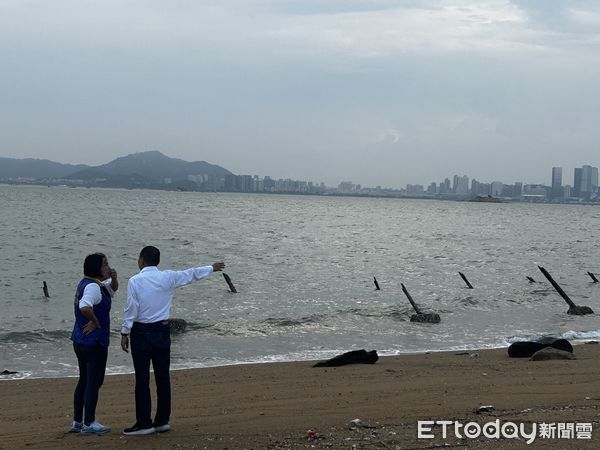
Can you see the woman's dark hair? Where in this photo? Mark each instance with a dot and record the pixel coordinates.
(92, 266)
(151, 255)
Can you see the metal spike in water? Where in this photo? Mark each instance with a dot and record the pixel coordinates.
(573, 308)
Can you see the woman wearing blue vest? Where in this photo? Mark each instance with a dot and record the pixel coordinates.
(91, 336)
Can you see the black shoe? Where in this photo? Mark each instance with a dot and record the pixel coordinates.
(162, 428)
(136, 430)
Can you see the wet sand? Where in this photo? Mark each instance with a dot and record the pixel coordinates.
(275, 405)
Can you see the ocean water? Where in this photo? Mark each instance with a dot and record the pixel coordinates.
(303, 267)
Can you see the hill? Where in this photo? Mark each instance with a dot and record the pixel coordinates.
(11, 168)
(150, 169)
(155, 165)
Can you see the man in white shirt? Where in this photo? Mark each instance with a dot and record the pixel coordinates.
(146, 324)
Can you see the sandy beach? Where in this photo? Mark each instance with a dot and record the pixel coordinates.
(275, 405)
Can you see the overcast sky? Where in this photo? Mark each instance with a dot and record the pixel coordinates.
(378, 92)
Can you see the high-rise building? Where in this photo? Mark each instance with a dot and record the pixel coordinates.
(556, 191)
(585, 182)
(446, 185)
(577, 182)
(461, 185)
(496, 188)
(481, 189)
(518, 192)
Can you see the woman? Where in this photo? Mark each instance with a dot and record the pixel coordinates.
(91, 336)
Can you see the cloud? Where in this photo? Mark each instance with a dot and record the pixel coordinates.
(368, 29)
(585, 18)
(399, 30)
(282, 86)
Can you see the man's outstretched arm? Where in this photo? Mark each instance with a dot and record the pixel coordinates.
(183, 277)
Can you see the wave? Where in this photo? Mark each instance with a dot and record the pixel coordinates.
(25, 337)
(17, 376)
(581, 335)
(394, 312)
(179, 326)
(290, 322)
(570, 335)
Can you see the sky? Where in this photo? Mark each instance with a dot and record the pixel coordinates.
(377, 92)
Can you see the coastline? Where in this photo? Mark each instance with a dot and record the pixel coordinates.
(273, 405)
(110, 371)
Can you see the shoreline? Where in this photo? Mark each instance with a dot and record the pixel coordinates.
(274, 405)
(306, 361)
(130, 371)
(244, 363)
(439, 197)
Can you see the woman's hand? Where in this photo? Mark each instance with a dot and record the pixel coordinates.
(93, 323)
(90, 326)
(114, 282)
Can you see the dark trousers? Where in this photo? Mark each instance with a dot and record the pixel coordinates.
(92, 365)
(151, 342)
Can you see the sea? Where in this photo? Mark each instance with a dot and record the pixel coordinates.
(303, 268)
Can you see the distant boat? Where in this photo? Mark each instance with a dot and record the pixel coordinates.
(486, 199)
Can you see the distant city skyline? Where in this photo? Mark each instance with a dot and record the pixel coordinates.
(556, 178)
(584, 187)
(380, 92)
(458, 184)
(163, 172)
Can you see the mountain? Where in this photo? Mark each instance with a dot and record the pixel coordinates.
(156, 166)
(35, 168)
(151, 170)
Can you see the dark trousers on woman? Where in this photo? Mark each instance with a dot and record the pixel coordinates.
(92, 366)
(151, 342)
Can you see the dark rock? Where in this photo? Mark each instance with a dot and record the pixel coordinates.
(526, 349)
(546, 340)
(484, 409)
(549, 353)
(353, 357)
(8, 372)
(426, 318)
(580, 310)
(177, 325)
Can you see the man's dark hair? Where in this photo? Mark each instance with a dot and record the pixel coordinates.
(151, 255)
(92, 265)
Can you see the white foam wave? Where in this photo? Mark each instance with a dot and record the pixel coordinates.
(581, 335)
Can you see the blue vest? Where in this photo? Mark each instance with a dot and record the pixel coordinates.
(101, 310)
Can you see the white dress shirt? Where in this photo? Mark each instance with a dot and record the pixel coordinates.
(92, 295)
(150, 293)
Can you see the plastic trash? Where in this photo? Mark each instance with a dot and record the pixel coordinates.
(355, 424)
